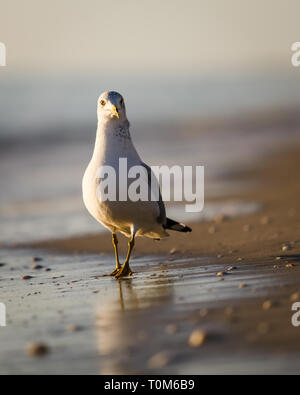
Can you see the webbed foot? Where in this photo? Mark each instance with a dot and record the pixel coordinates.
(125, 271)
(115, 272)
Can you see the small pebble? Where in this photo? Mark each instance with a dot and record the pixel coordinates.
(36, 349)
(46, 269)
(290, 265)
(173, 251)
(197, 338)
(27, 277)
(36, 267)
(247, 228)
(36, 259)
(159, 360)
(242, 286)
(267, 305)
(286, 247)
(220, 274)
(230, 268)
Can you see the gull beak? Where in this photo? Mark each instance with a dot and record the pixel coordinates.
(114, 112)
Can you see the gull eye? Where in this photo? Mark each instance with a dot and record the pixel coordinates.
(102, 102)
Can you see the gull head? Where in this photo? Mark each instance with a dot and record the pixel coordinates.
(111, 107)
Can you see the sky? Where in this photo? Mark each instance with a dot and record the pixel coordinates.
(143, 36)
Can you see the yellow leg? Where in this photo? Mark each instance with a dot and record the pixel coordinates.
(125, 271)
(115, 243)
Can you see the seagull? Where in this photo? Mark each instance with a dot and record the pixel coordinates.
(131, 218)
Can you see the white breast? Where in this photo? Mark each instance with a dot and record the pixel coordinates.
(118, 216)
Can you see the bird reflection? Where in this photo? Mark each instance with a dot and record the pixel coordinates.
(123, 323)
(132, 298)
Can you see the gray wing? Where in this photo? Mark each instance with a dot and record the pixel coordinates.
(162, 218)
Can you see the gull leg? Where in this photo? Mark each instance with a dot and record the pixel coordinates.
(115, 244)
(125, 271)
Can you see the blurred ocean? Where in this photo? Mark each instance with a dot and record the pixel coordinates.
(36, 106)
(47, 131)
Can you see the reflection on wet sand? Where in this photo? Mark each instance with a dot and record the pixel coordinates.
(122, 323)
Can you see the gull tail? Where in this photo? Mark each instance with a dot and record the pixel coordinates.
(173, 225)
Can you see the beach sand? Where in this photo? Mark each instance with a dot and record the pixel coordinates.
(218, 300)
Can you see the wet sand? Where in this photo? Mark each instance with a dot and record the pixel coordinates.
(143, 324)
